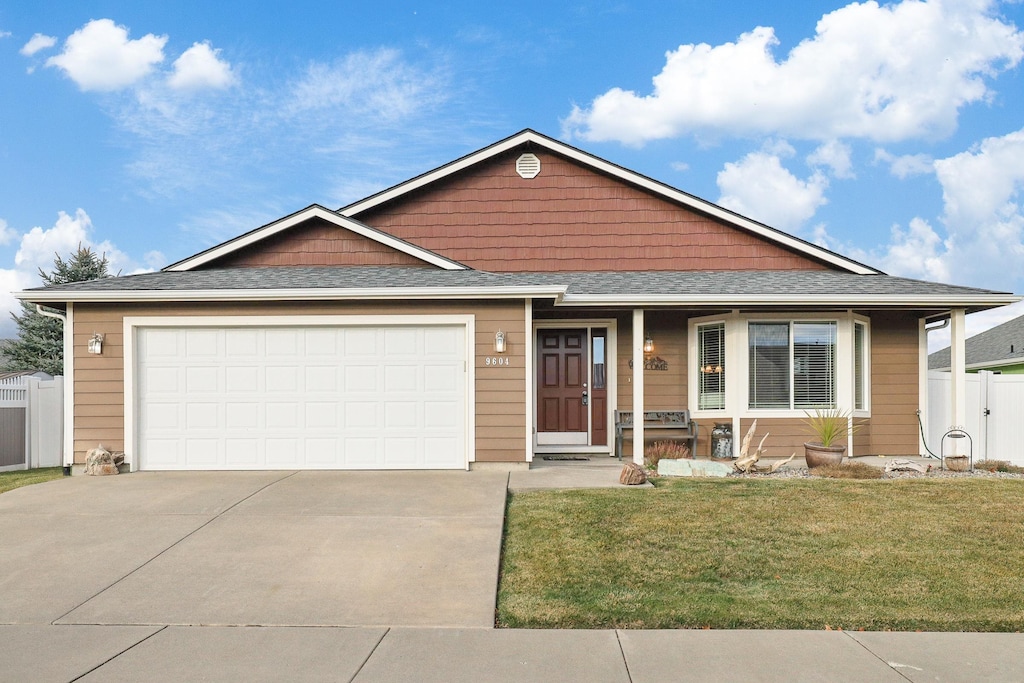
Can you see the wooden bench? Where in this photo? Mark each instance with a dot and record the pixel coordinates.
(678, 421)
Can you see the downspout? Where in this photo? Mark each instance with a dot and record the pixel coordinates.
(50, 314)
(67, 427)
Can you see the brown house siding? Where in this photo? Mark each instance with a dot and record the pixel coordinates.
(500, 392)
(317, 243)
(568, 218)
(894, 387)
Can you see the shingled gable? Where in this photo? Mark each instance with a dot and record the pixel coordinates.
(314, 236)
(580, 213)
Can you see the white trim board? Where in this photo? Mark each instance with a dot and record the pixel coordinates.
(314, 211)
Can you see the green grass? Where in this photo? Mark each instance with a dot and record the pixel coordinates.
(904, 554)
(18, 478)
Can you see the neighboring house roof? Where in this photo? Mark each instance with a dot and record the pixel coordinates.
(1000, 346)
(696, 288)
(19, 377)
(299, 217)
(345, 217)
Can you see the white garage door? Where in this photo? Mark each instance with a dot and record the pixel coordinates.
(248, 398)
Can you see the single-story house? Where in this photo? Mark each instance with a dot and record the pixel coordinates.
(999, 349)
(485, 313)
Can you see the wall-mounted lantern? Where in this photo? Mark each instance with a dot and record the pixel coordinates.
(499, 342)
(96, 343)
(648, 345)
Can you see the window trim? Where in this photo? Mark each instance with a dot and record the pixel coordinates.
(737, 386)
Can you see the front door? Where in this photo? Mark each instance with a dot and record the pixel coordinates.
(562, 390)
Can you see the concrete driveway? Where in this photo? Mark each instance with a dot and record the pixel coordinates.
(254, 548)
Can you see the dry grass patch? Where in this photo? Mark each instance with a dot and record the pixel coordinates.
(753, 553)
(18, 478)
(848, 470)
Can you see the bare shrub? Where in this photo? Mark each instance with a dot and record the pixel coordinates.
(998, 466)
(665, 450)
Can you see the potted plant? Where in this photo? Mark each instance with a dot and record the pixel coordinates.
(826, 426)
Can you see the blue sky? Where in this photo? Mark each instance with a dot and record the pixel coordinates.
(891, 133)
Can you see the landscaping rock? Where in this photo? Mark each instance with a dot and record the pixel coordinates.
(693, 468)
(100, 462)
(632, 475)
(906, 466)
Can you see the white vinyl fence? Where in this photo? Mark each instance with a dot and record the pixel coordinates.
(31, 423)
(995, 415)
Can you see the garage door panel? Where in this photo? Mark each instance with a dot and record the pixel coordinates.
(293, 398)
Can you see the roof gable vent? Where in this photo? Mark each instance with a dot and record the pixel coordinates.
(528, 166)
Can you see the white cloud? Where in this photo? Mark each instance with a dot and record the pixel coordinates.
(99, 56)
(917, 252)
(836, 156)
(906, 165)
(200, 67)
(11, 280)
(892, 72)
(7, 233)
(36, 43)
(380, 83)
(759, 186)
(983, 241)
(39, 246)
(679, 166)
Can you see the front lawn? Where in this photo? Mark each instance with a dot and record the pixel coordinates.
(928, 554)
(12, 480)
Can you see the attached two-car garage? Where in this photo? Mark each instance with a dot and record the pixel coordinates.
(315, 395)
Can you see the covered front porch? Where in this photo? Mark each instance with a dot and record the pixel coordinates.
(728, 367)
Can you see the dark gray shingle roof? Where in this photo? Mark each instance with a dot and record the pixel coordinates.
(1000, 344)
(788, 283)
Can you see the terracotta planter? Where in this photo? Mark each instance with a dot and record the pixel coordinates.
(817, 455)
(957, 463)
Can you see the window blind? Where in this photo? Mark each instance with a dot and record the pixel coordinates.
(711, 370)
(769, 365)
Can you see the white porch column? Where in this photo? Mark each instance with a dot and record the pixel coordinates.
(957, 368)
(638, 386)
(922, 384)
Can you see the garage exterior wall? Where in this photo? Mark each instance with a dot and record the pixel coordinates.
(99, 398)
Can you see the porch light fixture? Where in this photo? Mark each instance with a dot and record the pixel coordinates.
(499, 342)
(648, 345)
(96, 343)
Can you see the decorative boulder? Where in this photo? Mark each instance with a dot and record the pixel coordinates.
(693, 468)
(632, 475)
(100, 462)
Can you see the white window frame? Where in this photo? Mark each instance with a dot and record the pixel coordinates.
(865, 323)
(738, 362)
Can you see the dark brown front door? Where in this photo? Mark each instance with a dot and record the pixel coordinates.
(562, 369)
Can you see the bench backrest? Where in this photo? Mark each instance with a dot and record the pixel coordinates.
(672, 417)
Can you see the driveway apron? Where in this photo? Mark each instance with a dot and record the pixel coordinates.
(270, 548)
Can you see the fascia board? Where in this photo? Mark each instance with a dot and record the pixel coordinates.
(317, 294)
(617, 171)
(714, 300)
(314, 211)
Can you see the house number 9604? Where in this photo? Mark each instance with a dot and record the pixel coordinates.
(497, 360)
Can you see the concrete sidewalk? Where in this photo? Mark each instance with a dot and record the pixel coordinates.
(365, 655)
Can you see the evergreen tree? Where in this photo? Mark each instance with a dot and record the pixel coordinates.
(40, 341)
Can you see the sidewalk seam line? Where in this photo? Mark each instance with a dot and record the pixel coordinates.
(875, 655)
(372, 651)
(629, 675)
(180, 540)
(113, 657)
